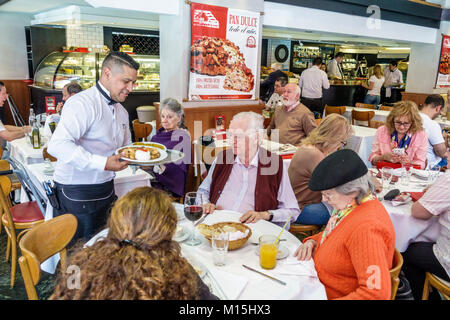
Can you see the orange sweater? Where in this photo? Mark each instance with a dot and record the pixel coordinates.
(354, 260)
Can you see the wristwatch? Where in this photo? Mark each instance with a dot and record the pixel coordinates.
(270, 215)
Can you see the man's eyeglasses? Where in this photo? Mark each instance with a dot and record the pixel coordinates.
(404, 124)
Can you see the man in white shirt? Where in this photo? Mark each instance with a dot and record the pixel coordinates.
(93, 126)
(392, 78)
(437, 153)
(10, 133)
(311, 83)
(334, 69)
(277, 96)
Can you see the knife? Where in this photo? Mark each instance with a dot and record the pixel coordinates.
(200, 220)
(266, 275)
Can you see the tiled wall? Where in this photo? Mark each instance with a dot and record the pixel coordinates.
(89, 36)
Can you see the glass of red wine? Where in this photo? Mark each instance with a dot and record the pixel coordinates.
(193, 210)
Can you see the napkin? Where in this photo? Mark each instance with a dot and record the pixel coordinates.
(292, 266)
(416, 195)
(231, 284)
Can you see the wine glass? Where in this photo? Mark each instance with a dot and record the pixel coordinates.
(386, 176)
(193, 210)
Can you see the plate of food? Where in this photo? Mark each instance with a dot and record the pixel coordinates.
(145, 155)
(401, 199)
(239, 232)
(150, 144)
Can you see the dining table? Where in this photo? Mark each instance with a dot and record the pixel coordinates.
(22, 150)
(409, 229)
(233, 281)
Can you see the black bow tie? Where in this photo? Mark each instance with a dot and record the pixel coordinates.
(110, 101)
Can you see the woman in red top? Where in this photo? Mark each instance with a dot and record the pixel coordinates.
(354, 253)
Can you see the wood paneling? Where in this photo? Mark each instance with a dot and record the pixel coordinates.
(419, 98)
(19, 91)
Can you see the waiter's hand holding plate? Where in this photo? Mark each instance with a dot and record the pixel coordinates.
(115, 163)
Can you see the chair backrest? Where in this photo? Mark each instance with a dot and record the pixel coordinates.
(362, 116)
(40, 243)
(4, 165)
(141, 130)
(375, 124)
(395, 271)
(340, 110)
(47, 155)
(318, 121)
(365, 105)
(386, 108)
(5, 203)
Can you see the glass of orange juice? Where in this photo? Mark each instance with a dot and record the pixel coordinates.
(268, 251)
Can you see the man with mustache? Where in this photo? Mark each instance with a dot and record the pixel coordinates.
(293, 120)
(93, 126)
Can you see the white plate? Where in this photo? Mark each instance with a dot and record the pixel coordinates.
(282, 253)
(162, 156)
(184, 235)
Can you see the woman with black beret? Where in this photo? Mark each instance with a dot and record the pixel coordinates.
(354, 253)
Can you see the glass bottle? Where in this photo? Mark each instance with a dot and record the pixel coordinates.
(32, 117)
(35, 136)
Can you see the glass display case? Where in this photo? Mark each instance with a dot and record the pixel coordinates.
(60, 68)
(303, 55)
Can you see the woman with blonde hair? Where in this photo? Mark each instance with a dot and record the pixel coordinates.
(331, 135)
(374, 88)
(402, 138)
(138, 258)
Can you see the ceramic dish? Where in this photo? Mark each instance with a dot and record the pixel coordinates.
(162, 154)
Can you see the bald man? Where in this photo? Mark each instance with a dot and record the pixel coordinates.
(293, 120)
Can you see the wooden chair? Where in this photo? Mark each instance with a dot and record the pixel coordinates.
(362, 116)
(318, 121)
(40, 243)
(304, 229)
(141, 130)
(375, 124)
(22, 216)
(440, 285)
(365, 105)
(15, 183)
(329, 109)
(386, 108)
(47, 155)
(395, 271)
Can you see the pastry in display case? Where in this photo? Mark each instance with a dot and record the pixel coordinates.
(60, 68)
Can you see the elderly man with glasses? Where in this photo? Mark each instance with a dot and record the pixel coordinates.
(249, 179)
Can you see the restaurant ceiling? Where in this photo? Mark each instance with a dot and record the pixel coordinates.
(36, 6)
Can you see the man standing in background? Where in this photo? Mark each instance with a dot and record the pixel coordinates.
(311, 83)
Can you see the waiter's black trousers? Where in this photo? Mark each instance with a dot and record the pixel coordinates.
(90, 204)
(315, 105)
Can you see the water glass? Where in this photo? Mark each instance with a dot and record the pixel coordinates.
(433, 173)
(386, 177)
(219, 242)
(406, 174)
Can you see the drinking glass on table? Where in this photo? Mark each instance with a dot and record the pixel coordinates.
(433, 173)
(268, 250)
(193, 210)
(406, 174)
(219, 243)
(386, 177)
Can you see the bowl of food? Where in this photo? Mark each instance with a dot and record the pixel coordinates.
(239, 232)
(145, 155)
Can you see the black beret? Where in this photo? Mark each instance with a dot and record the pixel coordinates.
(337, 169)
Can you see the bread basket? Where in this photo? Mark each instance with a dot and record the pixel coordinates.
(232, 244)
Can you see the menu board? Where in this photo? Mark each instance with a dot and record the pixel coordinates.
(443, 77)
(224, 52)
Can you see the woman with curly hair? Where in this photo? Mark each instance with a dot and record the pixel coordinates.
(402, 131)
(138, 259)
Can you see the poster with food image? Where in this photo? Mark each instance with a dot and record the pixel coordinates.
(443, 77)
(224, 53)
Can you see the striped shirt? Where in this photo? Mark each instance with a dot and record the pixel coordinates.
(437, 201)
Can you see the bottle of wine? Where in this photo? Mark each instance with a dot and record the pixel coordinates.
(35, 136)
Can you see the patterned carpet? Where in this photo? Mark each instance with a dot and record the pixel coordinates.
(44, 288)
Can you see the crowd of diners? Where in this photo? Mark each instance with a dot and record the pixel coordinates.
(324, 184)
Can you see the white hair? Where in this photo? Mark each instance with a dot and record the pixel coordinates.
(362, 185)
(255, 121)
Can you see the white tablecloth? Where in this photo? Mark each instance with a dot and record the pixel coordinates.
(22, 150)
(236, 282)
(407, 228)
(361, 142)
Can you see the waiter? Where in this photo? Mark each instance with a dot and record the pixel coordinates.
(93, 126)
(334, 67)
(392, 78)
(311, 83)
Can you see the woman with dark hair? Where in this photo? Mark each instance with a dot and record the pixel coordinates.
(173, 134)
(138, 260)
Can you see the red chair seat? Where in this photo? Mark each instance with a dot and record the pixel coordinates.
(26, 212)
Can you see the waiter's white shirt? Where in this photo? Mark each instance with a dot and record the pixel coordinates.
(393, 77)
(88, 133)
(334, 70)
(312, 81)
